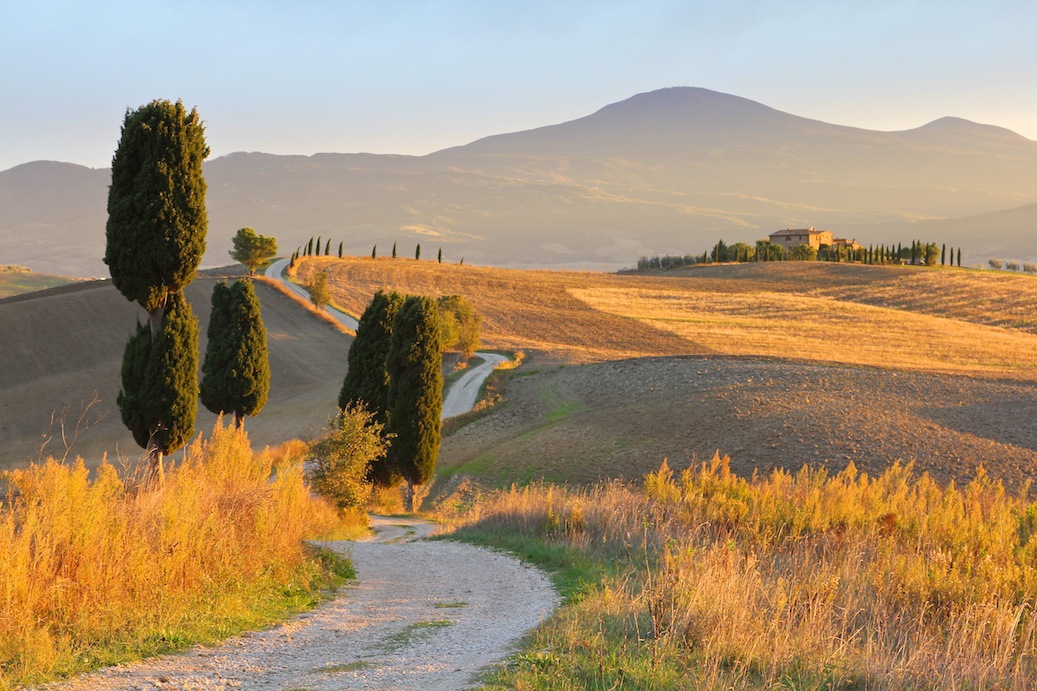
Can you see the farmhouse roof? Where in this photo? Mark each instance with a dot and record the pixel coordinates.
(795, 231)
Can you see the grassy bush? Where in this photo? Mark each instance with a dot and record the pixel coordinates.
(95, 571)
(792, 580)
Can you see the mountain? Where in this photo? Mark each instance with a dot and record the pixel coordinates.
(666, 171)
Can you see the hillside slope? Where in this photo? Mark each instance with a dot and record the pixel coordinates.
(776, 364)
(62, 345)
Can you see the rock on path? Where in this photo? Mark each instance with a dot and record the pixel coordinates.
(422, 615)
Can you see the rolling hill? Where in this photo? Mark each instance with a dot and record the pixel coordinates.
(63, 346)
(666, 171)
(776, 364)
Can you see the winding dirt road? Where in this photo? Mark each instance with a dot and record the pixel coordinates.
(422, 615)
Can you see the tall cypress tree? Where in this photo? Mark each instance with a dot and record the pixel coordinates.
(374, 251)
(158, 399)
(367, 379)
(156, 205)
(327, 248)
(415, 395)
(417, 251)
(340, 250)
(236, 371)
(439, 257)
(318, 246)
(155, 239)
(394, 250)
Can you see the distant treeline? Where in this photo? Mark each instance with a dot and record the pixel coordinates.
(312, 249)
(919, 253)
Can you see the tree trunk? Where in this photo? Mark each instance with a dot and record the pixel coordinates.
(155, 320)
(156, 473)
(239, 420)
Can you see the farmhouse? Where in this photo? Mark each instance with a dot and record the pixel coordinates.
(790, 237)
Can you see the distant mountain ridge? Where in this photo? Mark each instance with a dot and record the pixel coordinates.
(665, 171)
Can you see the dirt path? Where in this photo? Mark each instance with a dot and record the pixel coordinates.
(422, 615)
(276, 271)
(461, 396)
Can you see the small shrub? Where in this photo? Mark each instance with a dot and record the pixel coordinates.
(995, 263)
(342, 458)
(1012, 265)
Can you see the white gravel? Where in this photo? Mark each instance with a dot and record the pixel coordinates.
(422, 615)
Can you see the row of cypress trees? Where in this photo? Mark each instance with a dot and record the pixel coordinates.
(155, 239)
(395, 372)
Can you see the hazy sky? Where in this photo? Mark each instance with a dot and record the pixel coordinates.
(413, 77)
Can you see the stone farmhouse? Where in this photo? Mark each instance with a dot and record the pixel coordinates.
(790, 237)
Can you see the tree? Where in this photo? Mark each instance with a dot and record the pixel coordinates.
(342, 458)
(719, 252)
(959, 257)
(158, 399)
(995, 263)
(417, 251)
(309, 248)
(439, 257)
(394, 250)
(803, 253)
(374, 252)
(367, 379)
(460, 324)
(253, 250)
(415, 394)
(932, 254)
(340, 250)
(236, 371)
(156, 206)
(943, 254)
(317, 246)
(318, 290)
(327, 248)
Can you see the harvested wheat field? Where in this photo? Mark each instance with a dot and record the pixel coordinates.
(905, 318)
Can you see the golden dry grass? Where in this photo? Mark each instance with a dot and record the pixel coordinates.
(911, 318)
(792, 580)
(98, 570)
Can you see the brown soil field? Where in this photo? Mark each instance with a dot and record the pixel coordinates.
(60, 346)
(620, 419)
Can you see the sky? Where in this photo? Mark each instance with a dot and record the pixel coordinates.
(412, 77)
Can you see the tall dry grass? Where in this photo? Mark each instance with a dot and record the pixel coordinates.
(92, 570)
(791, 580)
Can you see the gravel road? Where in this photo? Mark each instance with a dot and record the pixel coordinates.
(422, 615)
(461, 396)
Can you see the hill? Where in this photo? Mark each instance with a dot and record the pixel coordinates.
(15, 280)
(776, 364)
(662, 172)
(63, 346)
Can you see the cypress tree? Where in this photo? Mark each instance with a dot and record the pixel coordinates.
(461, 263)
(394, 250)
(367, 379)
(417, 251)
(439, 257)
(374, 252)
(156, 206)
(236, 372)
(943, 254)
(309, 248)
(959, 257)
(318, 245)
(340, 250)
(327, 248)
(415, 395)
(158, 399)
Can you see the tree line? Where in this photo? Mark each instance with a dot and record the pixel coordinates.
(313, 249)
(918, 253)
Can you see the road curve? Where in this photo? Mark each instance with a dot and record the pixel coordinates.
(463, 393)
(276, 271)
(461, 396)
(422, 615)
